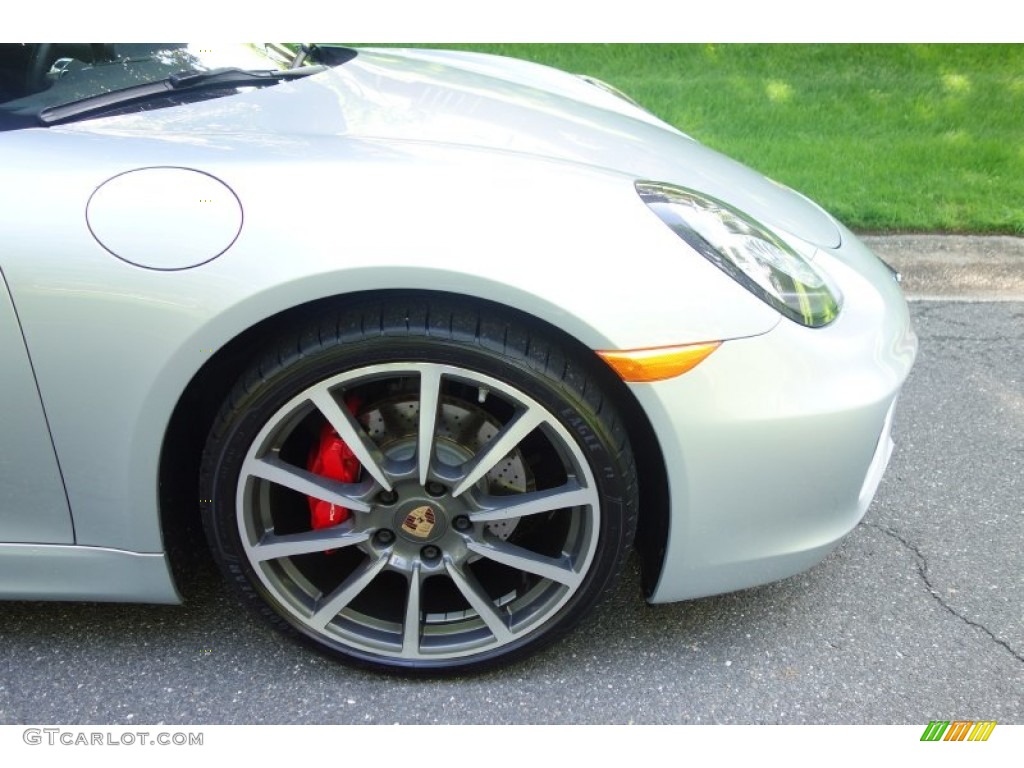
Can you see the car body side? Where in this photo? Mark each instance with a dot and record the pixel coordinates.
(332, 210)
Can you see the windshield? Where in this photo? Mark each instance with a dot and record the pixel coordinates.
(35, 77)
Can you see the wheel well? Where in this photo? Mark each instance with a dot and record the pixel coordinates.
(201, 400)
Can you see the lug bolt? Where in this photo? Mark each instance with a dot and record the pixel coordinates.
(384, 536)
(462, 523)
(436, 489)
(387, 497)
(430, 552)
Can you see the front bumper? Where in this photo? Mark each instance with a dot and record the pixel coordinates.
(776, 444)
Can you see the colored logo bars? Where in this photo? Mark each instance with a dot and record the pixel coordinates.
(958, 730)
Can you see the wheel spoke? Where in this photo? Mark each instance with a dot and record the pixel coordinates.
(352, 432)
(430, 395)
(411, 627)
(522, 504)
(481, 603)
(330, 606)
(557, 569)
(272, 546)
(500, 446)
(276, 471)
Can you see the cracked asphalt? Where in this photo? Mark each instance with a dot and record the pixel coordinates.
(917, 616)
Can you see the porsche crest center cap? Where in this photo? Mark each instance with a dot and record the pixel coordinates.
(420, 522)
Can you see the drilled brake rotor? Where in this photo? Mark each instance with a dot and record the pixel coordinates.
(462, 430)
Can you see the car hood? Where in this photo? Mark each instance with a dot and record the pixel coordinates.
(499, 104)
(506, 104)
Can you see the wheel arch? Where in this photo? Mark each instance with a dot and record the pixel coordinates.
(199, 403)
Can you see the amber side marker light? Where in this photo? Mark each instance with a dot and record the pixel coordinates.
(659, 363)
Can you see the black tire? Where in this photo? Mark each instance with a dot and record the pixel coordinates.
(496, 546)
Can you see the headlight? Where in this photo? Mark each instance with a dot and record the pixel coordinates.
(746, 251)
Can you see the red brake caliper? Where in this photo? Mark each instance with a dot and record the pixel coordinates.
(332, 458)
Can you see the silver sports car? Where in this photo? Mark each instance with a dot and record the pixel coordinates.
(429, 341)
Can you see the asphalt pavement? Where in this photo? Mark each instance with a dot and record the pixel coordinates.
(957, 267)
(917, 616)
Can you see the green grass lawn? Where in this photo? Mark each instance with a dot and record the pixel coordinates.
(923, 138)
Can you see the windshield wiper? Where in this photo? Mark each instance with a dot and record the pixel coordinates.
(183, 82)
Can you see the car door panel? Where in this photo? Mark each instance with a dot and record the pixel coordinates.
(33, 505)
